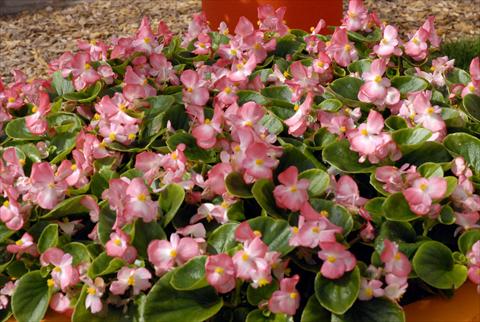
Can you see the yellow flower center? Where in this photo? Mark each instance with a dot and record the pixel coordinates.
(343, 129)
(34, 109)
(352, 14)
(233, 52)
(324, 213)
(19, 242)
(257, 233)
(50, 282)
(378, 79)
(239, 66)
(331, 259)
(11, 99)
(347, 47)
(174, 156)
(315, 230)
(295, 229)
(296, 107)
(384, 41)
(245, 257)
(369, 291)
(57, 269)
(91, 290)
(6, 203)
(320, 64)
(312, 29)
(189, 89)
(87, 66)
(423, 186)
(131, 281)
(117, 241)
(21, 161)
(227, 90)
(207, 121)
(397, 256)
(201, 45)
(122, 107)
(141, 197)
(471, 88)
(112, 136)
(293, 188)
(131, 136)
(259, 162)
(415, 41)
(147, 40)
(262, 282)
(96, 117)
(286, 74)
(432, 68)
(219, 270)
(73, 167)
(430, 110)
(364, 132)
(293, 295)
(173, 253)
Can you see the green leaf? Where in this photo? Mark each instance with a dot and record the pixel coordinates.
(48, 238)
(275, 233)
(82, 314)
(467, 239)
(396, 208)
(360, 66)
(31, 297)
(298, 156)
(322, 139)
(427, 152)
(104, 265)
(411, 138)
(319, 181)
(86, 96)
(256, 295)
(375, 310)
(471, 104)
(259, 316)
(272, 123)
(394, 122)
(246, 95)
(170, 200)
(338, 295)
(145, 233)
(236, 186)
(277, 92)
(430, 169)
(447, 215)
(458, 76)
(339, 155)
(347, 88)
(106, 221)
(451, 185)
(17, 129)
(61, 85)
(64, 122)
(331, 105)
(374, 208)
(192, 151)
(70, 206)
(5, 233)
(433, 263)
(337, 214)
(409, 84)
(222, 239)
(64, 143)
(190, 276)
(166, 304)
(314, 311)
(396, 231)
(465, 145)
(79, 252)
(374, 36)
(262, 191)
(288, 45)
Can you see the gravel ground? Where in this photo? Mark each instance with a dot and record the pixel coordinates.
(30, 39)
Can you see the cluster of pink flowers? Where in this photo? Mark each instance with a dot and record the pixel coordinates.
(139, 155)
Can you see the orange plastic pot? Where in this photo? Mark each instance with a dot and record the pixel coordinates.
(464, 306)
(301, 14)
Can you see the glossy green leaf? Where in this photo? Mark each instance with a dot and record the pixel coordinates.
(272, 123)
(338, 295)
(465, 145)
(447, 215)
(262, 191)
(86, 96)
(247, 95)
(331, 105)
(314, 311)
(458, 76)
(274, 232)
(394, 122)
(427, 152)
(411, 138)
(191, 275)
(237, 187)
(170, 200)
(78, 251)
(396, 208)
(106, 221)
(430, 169)
(48, 238)
(360, 66)
(409, 84)
(261, 316)
(61, 85)
(31, 297)
(17, 129)
(145, 233)
(264, 293)
(104, 265)
(166, 304)
(339, 155)
(70, 206)
(222, 239)
(298, 156)
(471, 104)
(319, 181)
(192, 151)
(347, 87)
(433, 263)
(337, 214)
(375, 310)
(467, 239)
(278, 92)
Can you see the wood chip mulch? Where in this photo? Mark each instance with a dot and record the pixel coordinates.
(30, 39)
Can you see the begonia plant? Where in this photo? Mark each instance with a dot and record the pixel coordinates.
(257, 174)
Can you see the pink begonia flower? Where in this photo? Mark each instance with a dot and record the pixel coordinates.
(63, 273)
(136, 85)
(241, 69)
(322, 64)
(138, 201)
(251, 261)
(422, 193)
(12, 214)
(61, 303)
(298, 123)
(91, 204)
(36, 122)
(47, 189)
(138, 278)
(220, 272)
(474, 274)
(287, 299)
(292, 193)
(11, 168)
(337, 260)
(258, 162)
(430, 117)
(193, 92)
(95, 290)
(113, 109)
(5, 293)
(389, 44)
(149, 163)
(474, 254)
(206, 134)
(395, 261)
(356, 17)
(197, 25)
(162, 69)
(394, 179)
(97, 49)
(196, 231)
(118, 246)
(339, 123)
(202, 45)
(83, 73)
(473, 87)
(396, 287)
(244, 232)
(440, 66)
(376, 88)
(313, 228)
(370, 289)
(165, 254)
(305, 80)
(216, 178)
(145, 41)
(341, 49)
(272, 20)
(23, 245)
(347, 193)
(14, 100)
(210, 212)
(417, 46)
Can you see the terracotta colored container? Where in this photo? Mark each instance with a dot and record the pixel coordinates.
(301, 14)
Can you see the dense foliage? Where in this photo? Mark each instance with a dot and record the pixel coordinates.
(262, 174)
